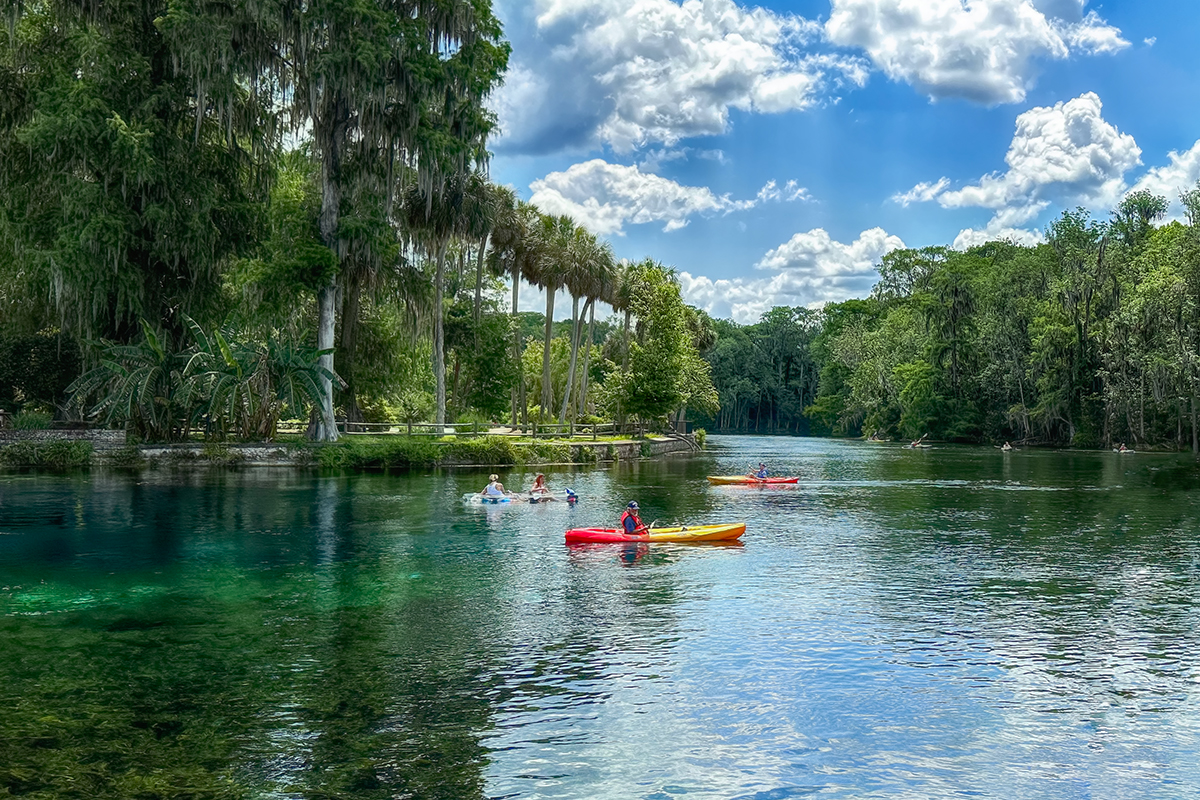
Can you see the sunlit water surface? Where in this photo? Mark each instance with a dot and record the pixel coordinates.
(946, 623)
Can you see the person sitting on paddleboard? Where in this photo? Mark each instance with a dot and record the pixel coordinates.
(494, 488)
(539, 485)
(631, 523)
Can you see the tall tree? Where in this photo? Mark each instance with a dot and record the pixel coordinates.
(378, 84)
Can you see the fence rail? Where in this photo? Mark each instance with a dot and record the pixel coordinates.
(533, 430)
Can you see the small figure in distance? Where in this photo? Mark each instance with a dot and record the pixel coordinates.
(1122, 448)
(920, 441)
(571, 496)
(1007, 446)
(539, 485)
(631, 523)
(495, 489)
(758, 474)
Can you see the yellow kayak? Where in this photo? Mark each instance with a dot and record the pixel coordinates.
(746, 480)
(700, 533)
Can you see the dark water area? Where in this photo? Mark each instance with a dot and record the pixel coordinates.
(945, 623)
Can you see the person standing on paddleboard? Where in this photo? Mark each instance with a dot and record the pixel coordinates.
(631, 523)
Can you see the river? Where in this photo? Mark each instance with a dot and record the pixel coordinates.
(944, 623)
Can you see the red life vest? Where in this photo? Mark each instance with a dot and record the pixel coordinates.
(637, 522)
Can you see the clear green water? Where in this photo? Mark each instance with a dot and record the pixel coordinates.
(933, 624)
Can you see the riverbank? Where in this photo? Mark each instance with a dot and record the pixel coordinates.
(69, 449)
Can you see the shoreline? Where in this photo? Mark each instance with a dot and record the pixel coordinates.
(59, 450)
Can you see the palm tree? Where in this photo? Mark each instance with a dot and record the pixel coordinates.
(557, 236)
(432, 217)
(516, 248)
(604, 290)
(586, 273)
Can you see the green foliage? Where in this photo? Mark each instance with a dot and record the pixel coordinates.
(701, 437)
(32, 420)
(227, 386)
(483, 451)
(129, 457)
(55, 455)
(37, 369)
(362, 452)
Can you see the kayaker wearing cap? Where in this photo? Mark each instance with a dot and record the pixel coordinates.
(494, 488)
(760, 473)
(631, 523)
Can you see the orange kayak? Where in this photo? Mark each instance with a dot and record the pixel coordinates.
(745, 480)
(700, 533)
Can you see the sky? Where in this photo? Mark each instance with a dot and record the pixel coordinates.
(774, 153)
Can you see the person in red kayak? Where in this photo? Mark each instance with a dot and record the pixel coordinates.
(631, 523)
(758, 474)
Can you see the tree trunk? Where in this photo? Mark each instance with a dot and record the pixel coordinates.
(479, 285)
(625, 362)
(547, 398)
(576, 335)
(439, 341)
(348, 342)
(330, 138)
(327, 312)
(518, 392)
(587, 354)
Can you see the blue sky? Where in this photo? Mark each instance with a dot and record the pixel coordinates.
(773, 153)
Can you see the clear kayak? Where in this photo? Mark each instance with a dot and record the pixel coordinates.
(699, 533)
(746, 480)
(550, 497)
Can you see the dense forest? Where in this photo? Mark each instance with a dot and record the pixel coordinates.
(218, 217)
(1088, 339)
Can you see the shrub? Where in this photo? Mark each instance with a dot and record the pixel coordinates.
(484, 451)
(125, 457)
(586, 454)
(646, 450)
(223, 455)
(701, 437)
(548, 453)
(378, 453)
(47, 455)
(33, 420)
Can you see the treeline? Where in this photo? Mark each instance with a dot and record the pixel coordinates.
(1088, 339)
(218, 217)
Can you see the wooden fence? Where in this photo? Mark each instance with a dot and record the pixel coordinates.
(534, 430)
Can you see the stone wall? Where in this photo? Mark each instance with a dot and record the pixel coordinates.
(101, 440)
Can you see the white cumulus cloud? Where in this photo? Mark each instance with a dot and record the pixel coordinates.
(985, 51)
(1065, 154)
(1169, 181)
(809, 270)
(606, 197)
(628, 73)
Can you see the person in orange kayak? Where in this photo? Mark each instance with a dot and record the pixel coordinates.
(631, 523)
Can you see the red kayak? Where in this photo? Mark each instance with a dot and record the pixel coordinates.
(700, 533)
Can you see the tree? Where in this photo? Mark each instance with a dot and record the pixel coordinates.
(379, 85)
(125, 197)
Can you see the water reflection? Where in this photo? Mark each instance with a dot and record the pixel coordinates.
(901, 623)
